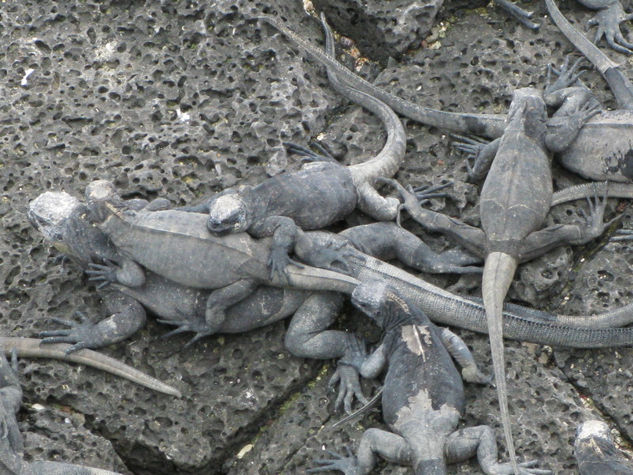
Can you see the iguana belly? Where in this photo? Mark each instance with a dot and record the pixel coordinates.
(603, 150)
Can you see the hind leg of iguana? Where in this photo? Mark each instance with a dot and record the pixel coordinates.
(539, 242)
(610, 15)
(521, 15)
(388, 241)
(308, 337)
(387, 445)
(221, 299)
(480, 441)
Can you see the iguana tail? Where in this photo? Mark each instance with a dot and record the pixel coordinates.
(487, 125)
(618, 82)
(389, 159)
(499, 270)
(32, 348)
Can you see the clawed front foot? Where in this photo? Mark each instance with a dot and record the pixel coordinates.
(623, 235)
(525, 468)
(408, 196)
(521, 15)
(348, 387)
(104, 274)
(333, 257)
(348, 465)
(608, 22)
(479, 155)
(277, 263)
(81, 334)
(566, 76)
(426, 192)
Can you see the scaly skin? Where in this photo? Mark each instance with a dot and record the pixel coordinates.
(598, 151)
(11, 445)
(422, 395)
(596, 452)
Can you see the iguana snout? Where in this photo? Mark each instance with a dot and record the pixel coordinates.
(49, 212)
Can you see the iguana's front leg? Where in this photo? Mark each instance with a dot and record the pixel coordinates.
(221, 299)
(125, 317)
(126, 272)
(284, 232)
(481, 153)
(460, 353)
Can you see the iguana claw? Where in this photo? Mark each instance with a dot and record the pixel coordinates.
(81, 334)
(105, 274)
(346, 464)
(278, 261)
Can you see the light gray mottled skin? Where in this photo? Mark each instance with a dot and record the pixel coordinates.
(320, 194)
(65, 222)
(596, 452)
(11, 445)
(598, 149)
(422, 397)
(176, 245)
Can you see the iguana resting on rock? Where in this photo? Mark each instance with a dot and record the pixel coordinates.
(596, 453)
(320, 194)
(422, 394)
(12, 460)
(599, 148)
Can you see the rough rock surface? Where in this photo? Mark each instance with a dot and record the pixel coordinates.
(183, 98)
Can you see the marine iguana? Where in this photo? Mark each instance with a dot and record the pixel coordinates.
(12, 460)
(599, 149)
(596, 453)
(422, 396)
(320, 194)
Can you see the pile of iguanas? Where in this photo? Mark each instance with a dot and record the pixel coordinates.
(150, 256)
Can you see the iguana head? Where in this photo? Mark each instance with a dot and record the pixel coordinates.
(228, 214)
(49, 214)
(381, 303)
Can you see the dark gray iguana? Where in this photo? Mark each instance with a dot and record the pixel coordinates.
(320, 194)
(12, 460)
(599, 148)
(422, 395)
(596, 453)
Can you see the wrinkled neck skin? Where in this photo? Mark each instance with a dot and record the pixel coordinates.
(83, 241)
(528, 114)
(397, 312)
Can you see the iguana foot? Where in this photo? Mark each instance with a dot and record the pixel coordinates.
(525, 468)
(196, 325)
(594, 222)
(278, 261)
(348, 387)
(333, 257)
(81, 334)
(608, 22)
(426, 192)
(105, 274)
(478, 155)
(308, 155)
(521, 15)
(623, 235)
(566, 76)
(348, 465)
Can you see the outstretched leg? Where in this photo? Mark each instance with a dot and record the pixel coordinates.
(389, 446)
(466, 443)
(388, 241)
(471, 238)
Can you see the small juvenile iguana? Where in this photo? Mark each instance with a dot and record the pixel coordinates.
(596, 452)
(12, 460)
(320, 194)
(422, 395)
